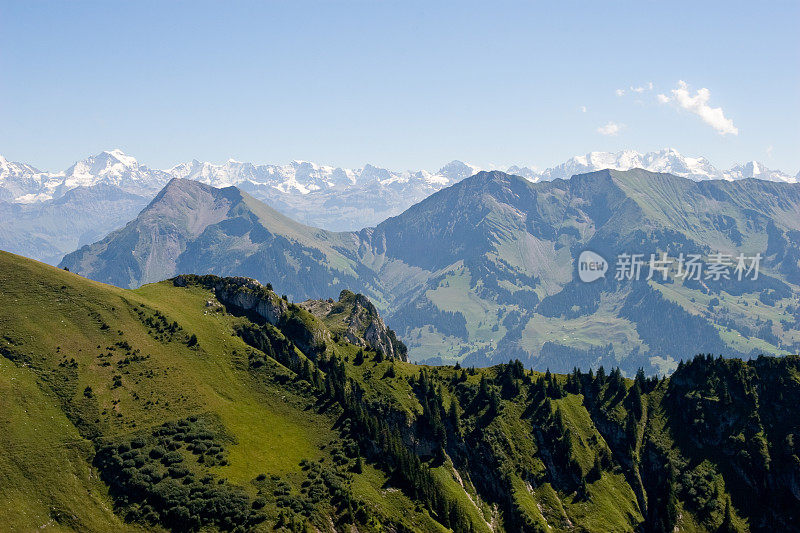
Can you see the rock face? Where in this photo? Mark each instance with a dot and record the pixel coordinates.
(245, 293)
(364, 319)
(151, 247)
(194, 228)
(250, 295)
(357, 319)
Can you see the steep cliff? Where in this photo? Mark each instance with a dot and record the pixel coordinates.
(356, 318)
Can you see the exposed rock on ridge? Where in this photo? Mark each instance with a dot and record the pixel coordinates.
(354, 316)
(357, 319)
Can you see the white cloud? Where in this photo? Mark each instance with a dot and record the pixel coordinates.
(642, 88)
(698, 104)
(611, 128)
(582, 108)
(770, 148)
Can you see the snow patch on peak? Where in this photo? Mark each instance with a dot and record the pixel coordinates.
(755, 169)
(120, 156)
(458, 170)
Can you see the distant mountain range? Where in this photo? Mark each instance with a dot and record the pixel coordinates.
(37, 204)
(667, 161)
(24, 184)
(484, 270)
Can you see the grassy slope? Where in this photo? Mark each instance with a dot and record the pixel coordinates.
(46, 480)
(251, 411)
(272, 434)
(271, 429)
(185, 381)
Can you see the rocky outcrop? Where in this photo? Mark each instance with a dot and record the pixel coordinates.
(353, 317)
(357, 319)
(243, 293)
(365, 323)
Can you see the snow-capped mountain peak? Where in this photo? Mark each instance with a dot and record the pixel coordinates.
(458, 170)
(94, 168)
(120, 156)
(12, 168)
(371, 173)
(667, 160)
(337, 198)
(754, 169)
(110, 167)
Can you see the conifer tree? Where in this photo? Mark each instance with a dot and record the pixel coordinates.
(727, 525)
(455, 416)
(636, 403)
(671, 507)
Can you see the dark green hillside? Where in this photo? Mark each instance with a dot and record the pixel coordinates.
(207, 403)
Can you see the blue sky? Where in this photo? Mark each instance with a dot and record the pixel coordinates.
(398, 84)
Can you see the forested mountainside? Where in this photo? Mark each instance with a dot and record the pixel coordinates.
(216, 403)
(485, 270)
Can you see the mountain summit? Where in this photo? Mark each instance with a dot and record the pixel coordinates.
(193, 227)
